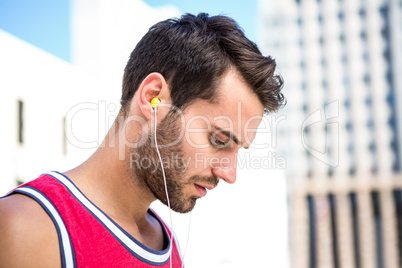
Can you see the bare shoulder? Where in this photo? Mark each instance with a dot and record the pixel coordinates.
(28, 235)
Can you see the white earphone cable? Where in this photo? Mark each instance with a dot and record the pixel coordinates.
(167, 195)
(168, 203)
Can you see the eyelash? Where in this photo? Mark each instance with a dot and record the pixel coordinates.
(217, 143)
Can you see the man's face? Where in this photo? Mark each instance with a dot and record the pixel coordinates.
(199, 146)
(174, 163)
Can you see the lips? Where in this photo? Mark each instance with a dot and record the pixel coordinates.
(202, 188)
(206, 186)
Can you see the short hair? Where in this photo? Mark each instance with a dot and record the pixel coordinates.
(192, 53)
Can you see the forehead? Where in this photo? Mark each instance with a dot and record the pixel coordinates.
(237, 109)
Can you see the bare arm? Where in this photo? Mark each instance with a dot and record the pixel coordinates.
(28, 237)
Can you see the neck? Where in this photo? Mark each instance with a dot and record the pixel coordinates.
(106, 179)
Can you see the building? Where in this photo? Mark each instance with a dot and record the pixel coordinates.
(342, 139)
(28, 84)
(48, 104)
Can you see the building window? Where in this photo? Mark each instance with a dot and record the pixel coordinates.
(367, 79)
(396, 167)
(304, 86)
(305, 108)
(346, 81)
(18, 182)
(375, 198)
(355, 225)
(387, 54)
(368, 100)
(365, 56)
(321, 40)
(352, 171)
(312, 231)
(363, 35)
(299, 21)
(20, 131)
(398, 212)
(324, 85)
(320, 18)
(372, 147)
(64, 136)
(346, 103)
(301, 43)
(384, 12)
(389, 76)
(362, 13)
(341, 16)
(332, 205)
(344, 58)
(370, 124)
(349, 127)
(323, 62)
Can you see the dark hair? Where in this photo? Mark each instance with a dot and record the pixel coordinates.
(193, 53)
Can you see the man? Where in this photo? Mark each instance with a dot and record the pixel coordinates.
(213, 86)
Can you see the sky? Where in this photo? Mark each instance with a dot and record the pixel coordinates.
(46, 23)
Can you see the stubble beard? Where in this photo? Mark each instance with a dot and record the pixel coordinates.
(152, 177)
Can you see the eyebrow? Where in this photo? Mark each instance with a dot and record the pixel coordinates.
(230, 135)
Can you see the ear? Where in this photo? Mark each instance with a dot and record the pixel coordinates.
(153, 86)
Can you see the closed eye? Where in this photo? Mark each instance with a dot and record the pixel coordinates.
(218, 142)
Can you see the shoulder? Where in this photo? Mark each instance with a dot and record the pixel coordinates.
(28, 235)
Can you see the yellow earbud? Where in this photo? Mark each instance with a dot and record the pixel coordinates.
(155, 102)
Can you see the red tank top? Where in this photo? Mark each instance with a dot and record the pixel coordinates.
(87, 236)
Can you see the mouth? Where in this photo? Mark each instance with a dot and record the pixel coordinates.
(202, 188)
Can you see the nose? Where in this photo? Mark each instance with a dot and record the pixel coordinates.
(227, 174)
(226, 169)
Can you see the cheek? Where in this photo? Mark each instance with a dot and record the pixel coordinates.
(201, 161)
(197, 157)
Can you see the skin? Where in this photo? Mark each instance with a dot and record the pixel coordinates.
(28, 236)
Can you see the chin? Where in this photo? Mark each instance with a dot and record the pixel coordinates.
(184, 208)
